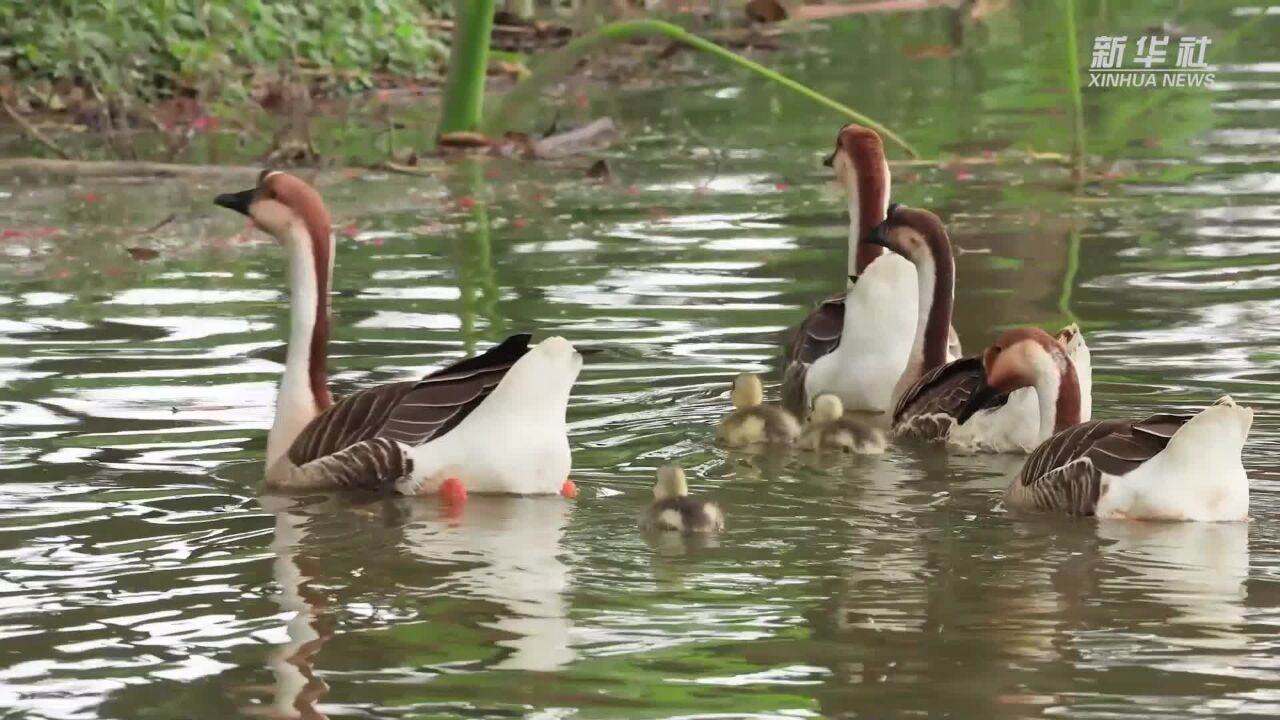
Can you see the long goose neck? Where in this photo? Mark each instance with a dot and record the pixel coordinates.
(936, 278)
(304, 387)
(1058, 395)
(868, 203)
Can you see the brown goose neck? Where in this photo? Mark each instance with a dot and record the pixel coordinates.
(1067, 410)
(937, 328)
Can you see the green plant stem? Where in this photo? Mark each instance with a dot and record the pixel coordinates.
(561, 62)
(468, 64)
(1077, 100)
(1069, 276)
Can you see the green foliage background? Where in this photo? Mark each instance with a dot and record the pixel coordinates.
(153, 48)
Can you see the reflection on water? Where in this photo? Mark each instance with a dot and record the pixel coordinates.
(141, 576)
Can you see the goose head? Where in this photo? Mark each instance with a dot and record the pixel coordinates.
(1017, 359)
(915, 234)
(671, 483)
(862, 173)
(826, 408)
(747, 391)
(280, 205)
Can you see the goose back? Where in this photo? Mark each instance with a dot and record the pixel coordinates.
(1065, 472)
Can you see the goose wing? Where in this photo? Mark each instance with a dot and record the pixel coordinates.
(1065, 472)
(944, 390)
(819, 333)
(410, 412)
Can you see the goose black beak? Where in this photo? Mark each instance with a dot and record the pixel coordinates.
(980, 397)
(238, 201)
(879, 236)
(830, 160)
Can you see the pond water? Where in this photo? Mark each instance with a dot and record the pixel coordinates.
(142, 575)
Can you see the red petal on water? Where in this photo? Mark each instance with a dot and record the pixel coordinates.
(204, 123)
(91, 197)
(453, 491)
(491, 173)
(519, 223)
(62, 274)
(8, 233)
(961, 174)
(47, 231)
(632, 189)
(376, 241)
(781, 186)
(989, 154)
(466, 202)
(350, 230)
(114, 270)
(581, 101)
(538, 197)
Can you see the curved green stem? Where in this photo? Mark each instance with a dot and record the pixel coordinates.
(1077, 100)
(562, 61)
(1069, 276)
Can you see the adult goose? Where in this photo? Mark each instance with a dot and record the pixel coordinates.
(414, 436)
(919, 237)
(1162, 467)
(856, 344)
(927, 411)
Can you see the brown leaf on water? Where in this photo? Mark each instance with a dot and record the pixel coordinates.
(162, 223)
(766, 11)
(142, 253)
(929, 52)
(599, 170)
(463, 140)
(824, 12)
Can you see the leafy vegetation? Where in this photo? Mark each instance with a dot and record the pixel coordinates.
(152, 49)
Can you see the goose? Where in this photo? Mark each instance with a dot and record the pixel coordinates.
(423, 436)
(674, 511)
(752, 422)
(927, 411)
(829, 428)
(920, 237)
(1161, 467)
(857, 343)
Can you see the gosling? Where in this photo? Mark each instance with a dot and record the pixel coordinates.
(828, 428)
(752, 422)
(674, 511)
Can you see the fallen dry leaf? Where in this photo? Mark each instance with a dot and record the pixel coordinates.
(142, 253)
(766, 11)
(599, 170)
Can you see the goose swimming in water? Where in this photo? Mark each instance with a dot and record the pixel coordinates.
(1005, 423)
(673, 510)
(418, 436)
(857, 343)
(752, 422)
(829, 428)
(1162, 467)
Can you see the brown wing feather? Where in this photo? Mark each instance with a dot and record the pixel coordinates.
(944, 391)
(1065, 471)
(819, 333)
(409, 412)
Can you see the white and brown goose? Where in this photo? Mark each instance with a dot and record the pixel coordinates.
(856, 344)
(1163, 467)
(418, 436)
(919, 237)
(928, 411)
